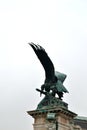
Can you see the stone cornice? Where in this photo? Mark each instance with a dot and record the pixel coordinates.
(58, 110)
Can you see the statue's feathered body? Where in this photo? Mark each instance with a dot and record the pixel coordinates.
(53, 80)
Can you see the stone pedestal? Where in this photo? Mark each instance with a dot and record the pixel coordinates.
(63, 119)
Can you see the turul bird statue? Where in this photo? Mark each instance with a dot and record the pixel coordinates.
(53, 83)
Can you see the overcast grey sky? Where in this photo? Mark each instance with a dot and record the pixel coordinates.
(60, 26)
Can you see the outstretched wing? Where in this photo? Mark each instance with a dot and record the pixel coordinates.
(45, 61)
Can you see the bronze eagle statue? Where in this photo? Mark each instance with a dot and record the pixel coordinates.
(53, 80)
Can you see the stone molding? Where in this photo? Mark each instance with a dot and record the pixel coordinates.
(63, 117)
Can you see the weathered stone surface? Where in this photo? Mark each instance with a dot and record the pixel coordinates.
(63, 118)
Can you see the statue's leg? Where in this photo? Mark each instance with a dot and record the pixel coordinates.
(60, 94)
(53, 93)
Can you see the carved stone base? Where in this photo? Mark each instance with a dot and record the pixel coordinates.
(49, 102)
(63, 119)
